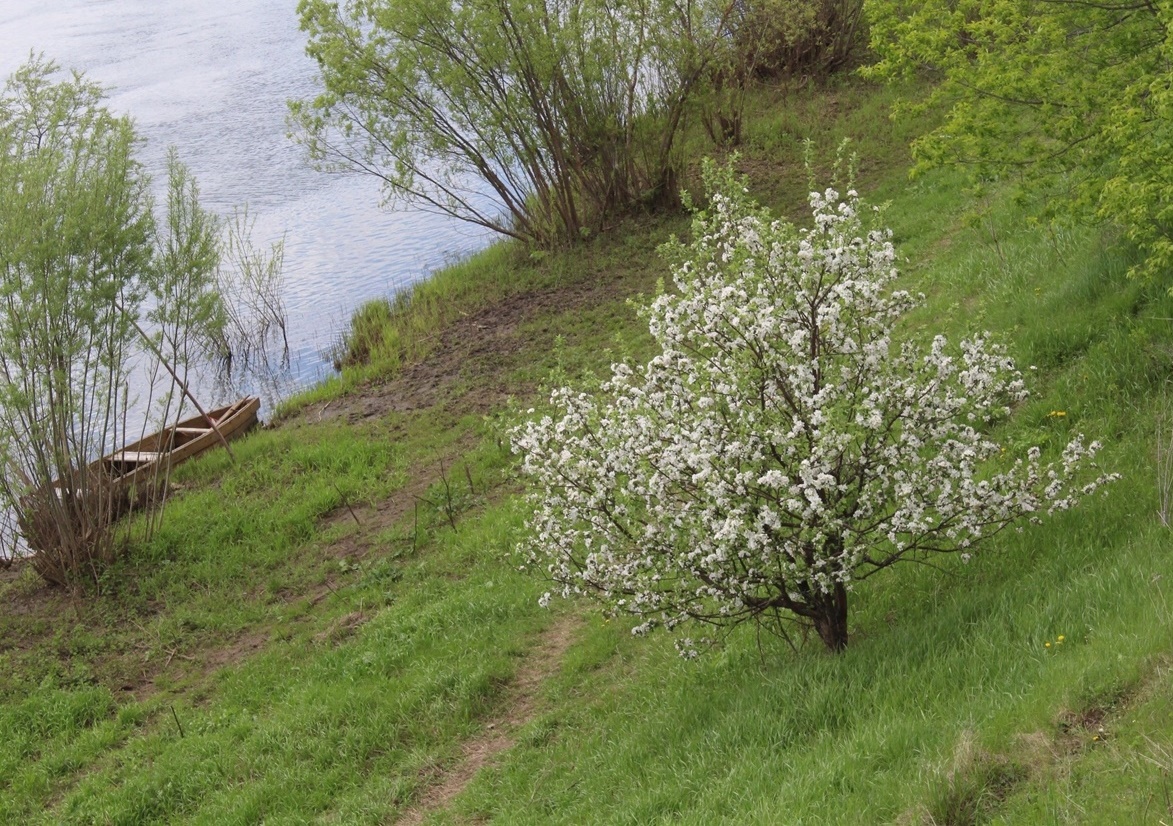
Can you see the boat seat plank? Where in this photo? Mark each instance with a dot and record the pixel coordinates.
(136, 456)
(192, 431)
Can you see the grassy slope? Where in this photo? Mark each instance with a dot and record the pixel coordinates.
(309, 637)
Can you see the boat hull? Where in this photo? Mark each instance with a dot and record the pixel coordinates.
(130, 478)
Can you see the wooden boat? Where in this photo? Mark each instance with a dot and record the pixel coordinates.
(132, 477)
(151, 457)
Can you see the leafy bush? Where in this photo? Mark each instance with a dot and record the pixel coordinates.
(1077, 94)
(86, 261)
(781, 446)
(539, 120)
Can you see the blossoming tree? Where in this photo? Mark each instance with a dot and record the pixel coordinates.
(781, 446)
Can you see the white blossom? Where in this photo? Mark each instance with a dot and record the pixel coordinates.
(781, 446)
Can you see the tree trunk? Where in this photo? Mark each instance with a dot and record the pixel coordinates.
(831, 623)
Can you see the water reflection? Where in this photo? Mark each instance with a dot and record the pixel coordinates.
(212, 78)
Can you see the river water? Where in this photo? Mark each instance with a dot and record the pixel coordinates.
(212, 78)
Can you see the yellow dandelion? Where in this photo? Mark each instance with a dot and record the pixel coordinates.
(1046, 645)
(1056, 414)
(1061, 638)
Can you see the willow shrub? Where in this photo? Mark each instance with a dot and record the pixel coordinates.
(539, 120)
(90, 283)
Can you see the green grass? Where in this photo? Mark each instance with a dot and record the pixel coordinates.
(948, 707)
(315, 630)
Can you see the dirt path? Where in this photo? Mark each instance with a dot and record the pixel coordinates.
(500, 733)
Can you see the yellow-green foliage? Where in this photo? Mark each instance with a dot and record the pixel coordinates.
(1077, 94)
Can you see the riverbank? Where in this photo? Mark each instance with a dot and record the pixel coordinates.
(332, 628)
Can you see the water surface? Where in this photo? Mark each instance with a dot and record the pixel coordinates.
(212, 77)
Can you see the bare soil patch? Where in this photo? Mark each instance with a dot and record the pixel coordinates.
(235, 652)
(464, 369)
(24, 597)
